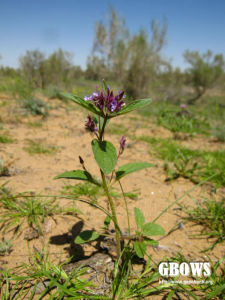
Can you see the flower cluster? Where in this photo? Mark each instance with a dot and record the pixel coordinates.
(106, 101)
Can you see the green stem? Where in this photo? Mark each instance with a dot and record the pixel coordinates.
(111, 204)
(114, 217)
(126, 206)
(103, 129)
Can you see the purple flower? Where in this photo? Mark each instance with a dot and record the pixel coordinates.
(114, 104)
(122, 142)
(183, 106)
(90, 124)
(106, 101)
(87, 98)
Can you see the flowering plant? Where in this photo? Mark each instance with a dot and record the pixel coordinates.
(105, 105)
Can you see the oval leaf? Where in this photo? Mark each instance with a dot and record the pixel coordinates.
(140, 249)
(137, 104)
(78, 175)
(130, 168)
(105, 155)
(86, 236)
(150, 229)
(85, 104)
(139, 217)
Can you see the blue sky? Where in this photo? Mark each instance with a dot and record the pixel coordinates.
(49, 24)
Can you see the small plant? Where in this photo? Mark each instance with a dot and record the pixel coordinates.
(35, 107)
(42, 278)
(182, 166)
(5, 139)
(83, 189)
(5, 247)
(105, 106)
(210, 214)
(25, 208)
(36, 147)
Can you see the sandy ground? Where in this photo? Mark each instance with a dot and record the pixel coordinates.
(64, 128)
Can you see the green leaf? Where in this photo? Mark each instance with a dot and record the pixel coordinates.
(85, 104)
(140, 249)
(150, 229)
(139, 217)
(151, 242)
(105, 155)
(86, 236)
(130, 168)
(137, 104)
(78, 175)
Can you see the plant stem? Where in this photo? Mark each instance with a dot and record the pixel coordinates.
(111, 204)
(114, 217)
(103, 129)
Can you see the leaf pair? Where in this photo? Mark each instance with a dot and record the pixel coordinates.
(146, 230)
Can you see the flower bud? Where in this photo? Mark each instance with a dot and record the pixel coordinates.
(90, 124)
(122, 142)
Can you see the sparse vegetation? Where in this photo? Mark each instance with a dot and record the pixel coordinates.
(17, 209)
(6, 139)
(35, 124)
(186, 162)
(183, 121)
(117, 129)
(210, 214)
(38, 147)
(35, 107)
